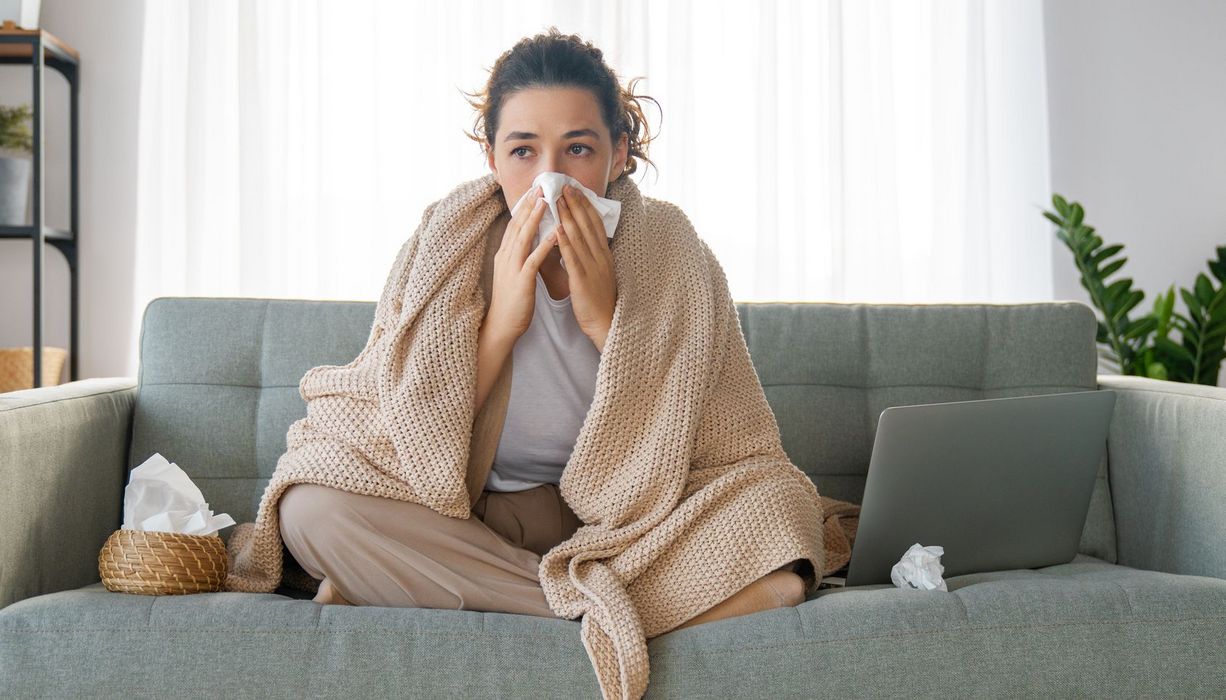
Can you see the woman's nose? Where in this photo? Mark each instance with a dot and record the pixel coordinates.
(549, 164)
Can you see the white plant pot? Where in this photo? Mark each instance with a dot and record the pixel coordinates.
(23, 12)
(14, 191)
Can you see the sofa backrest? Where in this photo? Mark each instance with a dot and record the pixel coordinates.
(218, 379)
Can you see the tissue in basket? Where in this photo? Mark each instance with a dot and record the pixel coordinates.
(168, 542)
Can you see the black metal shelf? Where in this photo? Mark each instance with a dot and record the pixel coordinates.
(28, 232)
(39, 49)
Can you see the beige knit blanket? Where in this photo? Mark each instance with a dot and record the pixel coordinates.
(678, 472)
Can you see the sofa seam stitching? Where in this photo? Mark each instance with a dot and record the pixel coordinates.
(230, 384)
(1198, 618)
(66, 399)
(939, 386)
(1127, 597)
(1165, 392)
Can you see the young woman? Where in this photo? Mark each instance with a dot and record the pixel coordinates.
(551, 104)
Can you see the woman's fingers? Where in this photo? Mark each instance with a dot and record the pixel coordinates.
(523, 242)
(573, 235)
(566, 246)
(583, 207)
(520, 214)
(570, 243)
(538, 255)
(520, 218)
(590, 263)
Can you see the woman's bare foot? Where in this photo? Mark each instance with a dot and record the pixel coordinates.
(780, 588)
(328, 595)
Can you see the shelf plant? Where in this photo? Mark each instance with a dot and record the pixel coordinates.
(15, 132)
(16, 147)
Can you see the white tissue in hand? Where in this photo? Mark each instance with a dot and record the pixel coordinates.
(920, 568)
(551, 183)
(161, 497)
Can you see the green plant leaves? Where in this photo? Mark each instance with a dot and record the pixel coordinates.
(1190, 301)
(1143, 346)
(1106, 271)
(1218, 267)
(1104, 254)
(1204, 328)
(1174, 349)
(1141, 327)
(1061, 206)
(1204, 290)
(1113, 300)
(1076, 215)
(15, 128)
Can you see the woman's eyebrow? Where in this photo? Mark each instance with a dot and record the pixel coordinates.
(527, 135)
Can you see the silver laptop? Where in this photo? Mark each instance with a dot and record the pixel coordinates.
(998, 483)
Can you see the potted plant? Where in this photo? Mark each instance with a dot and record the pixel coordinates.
(16, 147)
(1143, 345)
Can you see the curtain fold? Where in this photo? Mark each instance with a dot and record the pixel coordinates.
(890, 151)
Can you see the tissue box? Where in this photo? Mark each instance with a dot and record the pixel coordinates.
(150, 562)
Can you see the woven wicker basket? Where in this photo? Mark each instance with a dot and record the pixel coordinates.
(162, 563)
(17, 367)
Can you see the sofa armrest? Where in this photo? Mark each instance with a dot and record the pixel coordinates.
(63, 468)
(1167, 459)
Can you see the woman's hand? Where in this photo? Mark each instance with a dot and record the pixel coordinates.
(589, 264)
(513, 293)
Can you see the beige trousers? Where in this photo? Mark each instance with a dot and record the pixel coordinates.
(381, 551)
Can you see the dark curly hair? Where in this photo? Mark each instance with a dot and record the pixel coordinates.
(555, 59)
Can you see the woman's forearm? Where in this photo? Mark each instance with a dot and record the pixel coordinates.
(493, 347)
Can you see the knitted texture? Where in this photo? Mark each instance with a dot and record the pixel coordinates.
(678, 472)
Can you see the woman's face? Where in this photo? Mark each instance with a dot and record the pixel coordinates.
(555, 129)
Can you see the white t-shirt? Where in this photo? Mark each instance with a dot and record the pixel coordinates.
(553, 380)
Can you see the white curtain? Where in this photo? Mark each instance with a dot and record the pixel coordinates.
(826, 150)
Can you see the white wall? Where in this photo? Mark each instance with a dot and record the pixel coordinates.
(108, 37)
(1137, 104)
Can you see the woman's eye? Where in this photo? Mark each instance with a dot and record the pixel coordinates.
(515, 151)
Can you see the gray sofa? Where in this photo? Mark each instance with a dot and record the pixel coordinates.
(1140, 611)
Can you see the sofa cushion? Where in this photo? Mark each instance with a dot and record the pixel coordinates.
(218, 385)
(219, 380)
(1087, 627)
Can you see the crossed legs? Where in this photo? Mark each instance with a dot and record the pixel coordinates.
(370, 550)
(328, 595)
(780, 588)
